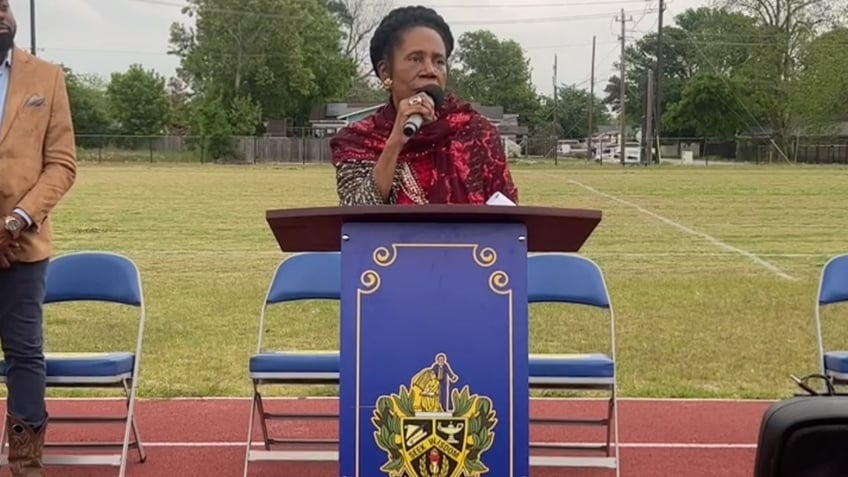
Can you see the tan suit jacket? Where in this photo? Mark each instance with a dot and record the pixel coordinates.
(37, 149)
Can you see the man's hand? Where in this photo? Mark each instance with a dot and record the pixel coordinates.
(6, 238)
(8, 254)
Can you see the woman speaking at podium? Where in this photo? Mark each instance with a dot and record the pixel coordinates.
(420, 147)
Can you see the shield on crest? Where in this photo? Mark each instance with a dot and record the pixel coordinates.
(434, 446)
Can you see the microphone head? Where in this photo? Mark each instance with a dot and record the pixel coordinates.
(435, 92)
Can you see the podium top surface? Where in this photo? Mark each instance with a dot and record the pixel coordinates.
(319, 229)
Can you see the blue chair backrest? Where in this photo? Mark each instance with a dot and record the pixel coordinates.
(307, 276)
(560, 278)
(833, 288)
(93, 276)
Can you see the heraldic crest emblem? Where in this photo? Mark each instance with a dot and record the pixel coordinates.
(432, 430)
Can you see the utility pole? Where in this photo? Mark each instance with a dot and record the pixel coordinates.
(590, 132)
(32, 26)
(648, 153)
(659, 75)
(622, 94)
(556, 107)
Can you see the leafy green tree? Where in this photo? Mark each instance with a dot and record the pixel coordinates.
(786, 28)
(494, 72)
(640, 58)
(572, 112)
(138, 102)
(709, 106)
(821, 96)
(178, 98)
(89, 108)
(284, 55)
(703, 40)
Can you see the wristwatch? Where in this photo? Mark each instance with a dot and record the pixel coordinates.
(13, 225)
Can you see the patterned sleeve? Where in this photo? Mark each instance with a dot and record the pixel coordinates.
(497, 171)
(356, 185)
(354, 163)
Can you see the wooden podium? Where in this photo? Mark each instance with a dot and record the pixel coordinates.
(434, 330)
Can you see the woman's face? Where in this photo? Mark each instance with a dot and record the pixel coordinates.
(419, 60)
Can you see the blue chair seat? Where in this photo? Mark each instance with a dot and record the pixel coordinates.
(81, 365)
(296, 362)
(571, 366)
(836, 362)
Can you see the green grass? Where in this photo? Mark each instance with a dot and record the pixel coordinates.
(694, 319)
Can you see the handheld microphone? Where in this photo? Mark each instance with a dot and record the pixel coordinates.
(413, 124)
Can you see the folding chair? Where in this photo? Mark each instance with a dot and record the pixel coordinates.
(565, 278)
(93, 277)
(833, 290)
(305, 276)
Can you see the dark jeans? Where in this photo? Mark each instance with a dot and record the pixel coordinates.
(21, 336)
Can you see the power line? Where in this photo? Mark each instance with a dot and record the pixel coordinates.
(524, 21)
(530, 5)
(519, 21)
(281, 55)
(448, 6)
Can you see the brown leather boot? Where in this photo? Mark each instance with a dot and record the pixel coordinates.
(25, 448)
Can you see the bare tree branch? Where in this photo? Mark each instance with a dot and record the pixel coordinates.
(359, 19)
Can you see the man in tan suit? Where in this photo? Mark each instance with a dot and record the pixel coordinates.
(37, 168)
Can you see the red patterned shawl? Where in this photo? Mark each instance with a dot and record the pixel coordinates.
(458, 159)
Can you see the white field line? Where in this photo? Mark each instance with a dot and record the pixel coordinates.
(709, 238)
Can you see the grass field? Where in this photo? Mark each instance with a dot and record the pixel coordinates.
(697, 314)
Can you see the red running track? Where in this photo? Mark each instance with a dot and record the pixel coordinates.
(206, 437)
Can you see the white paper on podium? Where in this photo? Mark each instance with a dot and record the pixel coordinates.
(499, 199)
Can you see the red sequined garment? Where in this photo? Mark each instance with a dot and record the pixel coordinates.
(458, 159)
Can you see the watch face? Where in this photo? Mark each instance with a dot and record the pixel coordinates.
(12, 224)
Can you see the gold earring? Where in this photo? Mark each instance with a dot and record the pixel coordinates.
(387, 83)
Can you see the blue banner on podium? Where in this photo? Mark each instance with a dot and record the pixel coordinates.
(434, 346)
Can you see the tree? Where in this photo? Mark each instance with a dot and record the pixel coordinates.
(704, 40)
(821, 97)
(178, 99)
(358, 19)
(709, 106)
(284, 55)
(787, 26)
(366, 90)
(640, 58)
(718, 41)
(138, 102)
(216, 123)
(89, 108)
(572, 112)
(494, 72)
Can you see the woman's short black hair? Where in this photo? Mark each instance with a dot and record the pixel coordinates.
(387, 35)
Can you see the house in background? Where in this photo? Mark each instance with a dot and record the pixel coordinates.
(325, 120)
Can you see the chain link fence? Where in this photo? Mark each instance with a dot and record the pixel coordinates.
(307, 148)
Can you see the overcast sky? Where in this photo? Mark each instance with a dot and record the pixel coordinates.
(102, 36)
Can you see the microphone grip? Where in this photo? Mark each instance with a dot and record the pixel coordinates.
(412, 125)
